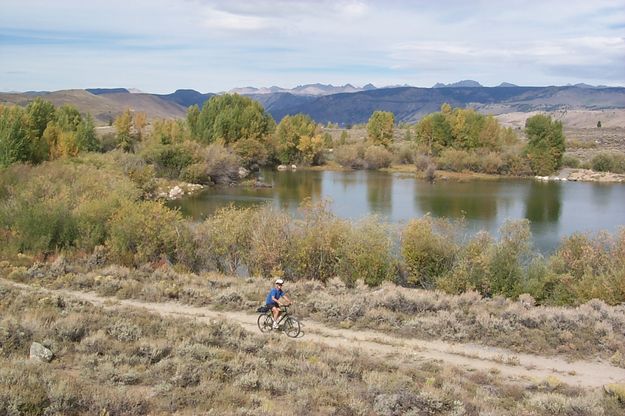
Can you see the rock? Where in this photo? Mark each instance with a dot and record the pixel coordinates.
(282, 167)
(40, 353)
(176, 192)
(294, 167)
(243, 173)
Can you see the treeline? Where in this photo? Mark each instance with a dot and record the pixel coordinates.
(452, 139)
(90, 209)
(42, 132)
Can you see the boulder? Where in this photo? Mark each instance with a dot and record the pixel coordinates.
(243, 173)
(40, 353)
(176, 192)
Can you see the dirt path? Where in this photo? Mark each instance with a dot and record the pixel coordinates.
(517, 367)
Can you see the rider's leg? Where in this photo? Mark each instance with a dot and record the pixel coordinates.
(276, 315)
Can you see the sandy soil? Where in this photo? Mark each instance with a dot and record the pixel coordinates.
(521, 368)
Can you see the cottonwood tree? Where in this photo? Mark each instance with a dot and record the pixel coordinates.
(545, 144)
(380, 128)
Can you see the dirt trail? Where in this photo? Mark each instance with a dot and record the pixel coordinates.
(514, 366)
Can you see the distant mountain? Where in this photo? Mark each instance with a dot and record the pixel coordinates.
(409, 104)
(506, 85)
(307, 89)
(100, 91)
(187, 98)
(467, 83)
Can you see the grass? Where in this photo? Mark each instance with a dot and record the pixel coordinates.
(129, 362)
(591, 330)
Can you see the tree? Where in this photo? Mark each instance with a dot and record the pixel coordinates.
(299, 140)
(545, 144)
(14, 136)
(40, 113)
(380, 127)
(125, 136)
(230, 118)
(86, 138)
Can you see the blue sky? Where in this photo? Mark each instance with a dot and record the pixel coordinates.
(213, 45)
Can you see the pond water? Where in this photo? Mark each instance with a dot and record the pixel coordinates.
(555, 209)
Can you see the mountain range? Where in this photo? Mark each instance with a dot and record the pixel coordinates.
(344, 104)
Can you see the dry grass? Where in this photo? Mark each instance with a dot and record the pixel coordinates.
(591, 330)
(134, 363)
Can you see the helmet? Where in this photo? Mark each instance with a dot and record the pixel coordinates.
(279, 281)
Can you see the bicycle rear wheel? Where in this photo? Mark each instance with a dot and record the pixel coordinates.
(291, 327)
(265, 322)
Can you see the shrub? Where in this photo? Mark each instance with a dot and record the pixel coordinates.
(317, 241)
(505, 269)
(350, 156)
(427, 254)
(225, 238)
(569, 161)
(405, 153)
(458, 160)
(377, 157)
(490, 162)
(252, 152)
(367, 254)
(144, 231)
(269, 244)
(609, 162)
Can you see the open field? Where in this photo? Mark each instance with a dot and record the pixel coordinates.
(129, 357)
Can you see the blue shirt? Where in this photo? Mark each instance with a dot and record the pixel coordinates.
(274, 293)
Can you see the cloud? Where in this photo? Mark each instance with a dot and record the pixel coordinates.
(220, 44)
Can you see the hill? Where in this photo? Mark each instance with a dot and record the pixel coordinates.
(409, 104)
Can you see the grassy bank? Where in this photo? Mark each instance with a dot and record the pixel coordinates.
(125, 362)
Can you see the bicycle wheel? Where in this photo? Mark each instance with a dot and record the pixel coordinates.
(291, 327)
(264, 322)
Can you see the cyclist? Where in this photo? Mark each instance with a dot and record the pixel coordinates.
(275, 299)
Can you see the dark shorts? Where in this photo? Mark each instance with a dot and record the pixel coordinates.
(273, 305)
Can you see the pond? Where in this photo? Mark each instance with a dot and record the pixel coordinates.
(555, 209)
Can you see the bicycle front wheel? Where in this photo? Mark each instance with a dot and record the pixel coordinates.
(291, 327)
(265, 322)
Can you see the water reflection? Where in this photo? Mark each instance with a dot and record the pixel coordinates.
(291, 188)
(471, 200)
(543, 202)
(380, 193)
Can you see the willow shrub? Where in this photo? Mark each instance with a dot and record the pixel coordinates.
(428, 254)
(224, 239)
(367, 254)
(317, 242)
(269, 242)
(145, 231)
(589, 267)
(60, 205)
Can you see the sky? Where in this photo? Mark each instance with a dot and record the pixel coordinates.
(159, 46)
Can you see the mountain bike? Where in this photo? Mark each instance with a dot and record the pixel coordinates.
(287, 323)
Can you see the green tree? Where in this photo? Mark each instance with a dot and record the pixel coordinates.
(40, 113)
(14, 135)
(230, 118)
(299, 140)
(68, 118)
(193, 116)
(380, 128)
(86, 138)
(545, 144)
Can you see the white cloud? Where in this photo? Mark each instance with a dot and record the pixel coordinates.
(220, 44)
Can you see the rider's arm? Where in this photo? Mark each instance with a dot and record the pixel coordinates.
(285, 297)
